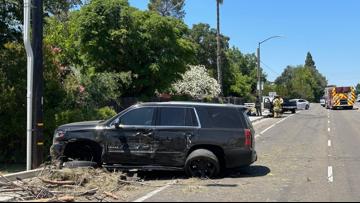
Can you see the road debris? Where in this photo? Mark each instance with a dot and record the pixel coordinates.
(69, 185)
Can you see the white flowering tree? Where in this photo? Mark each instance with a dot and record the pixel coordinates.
(197, 83)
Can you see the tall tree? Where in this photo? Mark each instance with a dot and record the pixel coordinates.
(219, 72)
(321, 81)
(309, 62)
(205, 39)
(174, 8)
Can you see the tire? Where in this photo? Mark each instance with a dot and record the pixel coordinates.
(80, 164)
(293, 111)
(202, 163)
(307, 107)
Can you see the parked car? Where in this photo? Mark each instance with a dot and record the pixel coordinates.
(289, 105)
(302, 104)
(323, 102)
(286, 106)
(198, 138)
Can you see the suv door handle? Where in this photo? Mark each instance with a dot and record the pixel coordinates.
(149, 134)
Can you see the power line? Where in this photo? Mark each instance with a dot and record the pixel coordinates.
(269, 68)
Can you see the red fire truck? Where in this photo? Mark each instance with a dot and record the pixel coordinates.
(340, 97)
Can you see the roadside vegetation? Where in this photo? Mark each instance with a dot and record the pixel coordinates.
(100, 51)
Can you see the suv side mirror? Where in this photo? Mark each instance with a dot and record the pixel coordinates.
(119, 126)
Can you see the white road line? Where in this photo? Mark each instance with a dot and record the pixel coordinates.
(264, 131)
(329, 130)
(330, 174)
(329, 143)
(267, 129)
(151, 194)
(328, 122)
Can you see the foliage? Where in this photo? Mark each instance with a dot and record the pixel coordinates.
(12, 100)
(112, 36)
(93, 90)
(197, 83)
(76, 115)
(301, 82)
(174, 8)
(358, 88)
(204, 37)
(240, 74)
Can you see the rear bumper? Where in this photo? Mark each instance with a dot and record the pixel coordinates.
(240, 157)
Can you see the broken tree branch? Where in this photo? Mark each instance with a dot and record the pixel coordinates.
(57, 182)
(111, 195)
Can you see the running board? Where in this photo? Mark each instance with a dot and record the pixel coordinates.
(142, 168)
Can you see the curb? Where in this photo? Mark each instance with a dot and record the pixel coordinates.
(257, 120)
(23, 175)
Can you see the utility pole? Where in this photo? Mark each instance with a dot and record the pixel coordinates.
(38, 86)
(29, 81)
(259, 77)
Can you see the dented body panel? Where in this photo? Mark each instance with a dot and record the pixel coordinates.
(163, 141)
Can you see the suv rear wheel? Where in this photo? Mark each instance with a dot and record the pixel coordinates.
(202, 163)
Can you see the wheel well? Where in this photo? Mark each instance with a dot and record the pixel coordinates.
(218, 151)
(83, 149)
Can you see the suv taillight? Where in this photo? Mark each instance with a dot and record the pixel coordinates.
(248, 138)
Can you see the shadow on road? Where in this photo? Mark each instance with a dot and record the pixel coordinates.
(248, 172)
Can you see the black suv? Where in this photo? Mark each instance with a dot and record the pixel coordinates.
(199, 138)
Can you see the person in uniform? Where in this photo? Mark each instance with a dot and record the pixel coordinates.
(277, 103)
(258, 106)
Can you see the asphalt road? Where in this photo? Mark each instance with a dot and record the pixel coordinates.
(310, 156)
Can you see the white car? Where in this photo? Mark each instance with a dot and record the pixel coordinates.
(302, 104)
(323, 102)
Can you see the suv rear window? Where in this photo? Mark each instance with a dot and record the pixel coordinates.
(220, 117)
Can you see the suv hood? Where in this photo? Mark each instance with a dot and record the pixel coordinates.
(80, 125)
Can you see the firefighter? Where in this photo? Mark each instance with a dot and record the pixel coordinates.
(258, 106)
(277, 104)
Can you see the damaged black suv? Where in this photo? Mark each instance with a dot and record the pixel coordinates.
(199, 138)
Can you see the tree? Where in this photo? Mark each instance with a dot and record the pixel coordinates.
(197, 83)
(239, 74)
(219, 73)
(112, 36)
(358, 89)
(205, 39)
(10, 21)
(174, 8)
(300, 82)
(321, 81)
(11, 16)
(309, 62)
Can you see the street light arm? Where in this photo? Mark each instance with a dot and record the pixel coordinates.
(277, 36)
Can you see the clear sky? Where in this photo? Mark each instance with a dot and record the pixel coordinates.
(329, 29)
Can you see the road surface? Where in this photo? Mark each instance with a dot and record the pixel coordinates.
(310, 156)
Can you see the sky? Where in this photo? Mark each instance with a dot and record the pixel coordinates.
(329, 29)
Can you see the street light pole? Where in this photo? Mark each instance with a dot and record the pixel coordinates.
(259, 69)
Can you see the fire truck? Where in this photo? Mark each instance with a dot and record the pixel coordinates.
(340, 97)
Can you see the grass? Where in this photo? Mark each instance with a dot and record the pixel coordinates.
(11, 168)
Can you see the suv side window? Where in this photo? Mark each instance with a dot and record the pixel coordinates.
(138, 117)
(172, 116)
(217, 117)
(177, 117)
